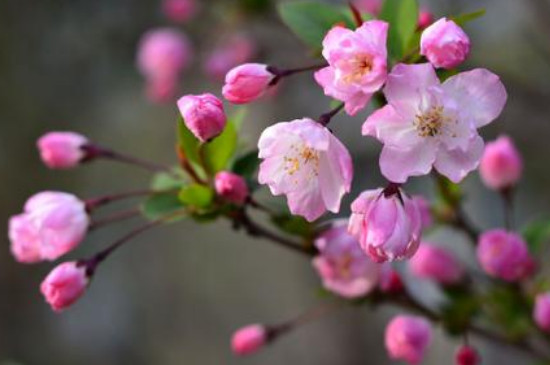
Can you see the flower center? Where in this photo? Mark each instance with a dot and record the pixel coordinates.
(300, 157)
(430, 123)
(344, 265)
(360, 65)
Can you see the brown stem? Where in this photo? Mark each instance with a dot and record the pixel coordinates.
(280, 73)
(325, 119)
(356, 14)
(94, 203)
(115, 217)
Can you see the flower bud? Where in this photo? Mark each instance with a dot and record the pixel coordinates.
(466, 355)
(541, 313)
(436, 263)
(388, 226)
(64, 285)
(52, 224)
(246, 83)
(231, 187)
(390, 280)
(342, 265)
(61, 150)
(249, 339)
(407, 338)
(180, 11)
(425, 19)
(504, 255)
(501, 164)
(203, 115)
(163, 53)
(444, 44)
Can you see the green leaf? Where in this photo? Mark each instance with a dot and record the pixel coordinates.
(294, 225)
(247, 164)
(507, 308)
(402, 15)
(217, 153)
(196, 195)
(537, 234)
(468, 17)
(189, 145)
(165, 181)
(161, 205)
(311, 20)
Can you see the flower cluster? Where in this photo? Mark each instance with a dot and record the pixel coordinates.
(428, 121)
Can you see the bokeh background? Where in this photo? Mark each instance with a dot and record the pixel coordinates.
(175, 296)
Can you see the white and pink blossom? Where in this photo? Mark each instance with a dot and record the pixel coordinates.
(427, 124)
(64, 285)
(304, 161)
(445, 44)
(61, 150)
(357, 64)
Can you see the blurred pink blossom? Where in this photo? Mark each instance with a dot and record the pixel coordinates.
(61, 150)
(407, 338)
(501, 164)
(64, 285)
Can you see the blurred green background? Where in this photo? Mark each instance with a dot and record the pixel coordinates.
(176, 295)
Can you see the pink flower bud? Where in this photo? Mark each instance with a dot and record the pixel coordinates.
(425, 19)
(51, 225)
(231, 187)
(444, 44)
(541, 313)
(436, 263)
(64, 285)
(246, 83)
(203, 115)
(163, 53)
(425, 211)
(466, 355)
(342, 265)
(504, 255)
(249, 339)
(372, 7)
(61, 150)
(501, 164)
(180, 11)
(407, 338)
(229, 53)
(390, 280)
(387, 227)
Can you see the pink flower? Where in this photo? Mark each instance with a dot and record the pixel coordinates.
(407, 338)
(307, 163)
(203, 115)
(342, 265)
(436, 263)
(51, 225)
(246, 83)
(249, 339)
(163, 54)
(444, 44)
(504, 255)
(161, 90)
(372, 7)
(390, 280)
(501, 164)
(387, 227)
(541, 313)
(231, 187)
(425, 211)
(466, 355)
(180, 11)
(61, 150)
(425, 19)
(229, 53)
(357, 64)
(64, 285)
(427, 123)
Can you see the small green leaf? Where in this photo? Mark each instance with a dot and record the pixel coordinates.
(166, 181)
(506, 307)
(247, 164)
(311, 20)
(196, 195)
(189, 145)
(402, 15)
(217, 153)
(468, 17)
(161, 205)
(537, 234)
(294, 225)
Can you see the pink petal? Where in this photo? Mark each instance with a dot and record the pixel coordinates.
(397, 165)
(391, 128)
(479, 93)
(456, 164)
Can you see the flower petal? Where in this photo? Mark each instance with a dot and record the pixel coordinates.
(391, 128)
(397, 164)
(456, 164)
